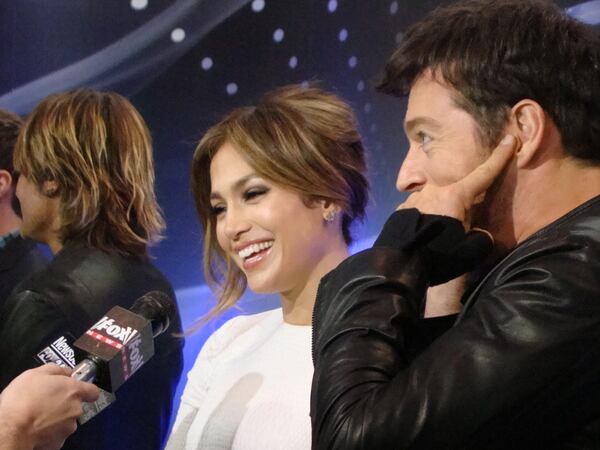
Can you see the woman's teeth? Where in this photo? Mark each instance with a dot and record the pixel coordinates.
(254, 248)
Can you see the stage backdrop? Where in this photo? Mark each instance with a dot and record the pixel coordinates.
(185, 63)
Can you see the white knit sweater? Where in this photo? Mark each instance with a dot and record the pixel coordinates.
(249, 388)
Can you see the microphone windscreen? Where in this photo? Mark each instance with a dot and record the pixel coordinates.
(158, 308)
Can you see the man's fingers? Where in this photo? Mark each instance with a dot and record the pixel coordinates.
(88, 392)
(53, 369)
(484, 175)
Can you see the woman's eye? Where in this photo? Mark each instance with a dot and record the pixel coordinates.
(217, 210)
(253, 193)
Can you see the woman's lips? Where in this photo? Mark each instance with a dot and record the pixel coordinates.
(256, 259)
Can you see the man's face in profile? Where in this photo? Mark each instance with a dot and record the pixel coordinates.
(39, 212)
(442, 136)
(444, 144)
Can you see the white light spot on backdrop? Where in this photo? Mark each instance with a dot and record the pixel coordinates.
(393, 8)
(278, 35)
(206, 63)
(360, 86)
(343, 35)
(139, 4)
(373, 127)
(399, 37)
(177, 35)
(232, 88)
(352, 61)
(293, 62)
(304, 84)
(332, 5)
(258, 5)
(367, 108)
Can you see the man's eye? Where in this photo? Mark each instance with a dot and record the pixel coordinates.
(253, 193)
(217, 210)
(424, 138)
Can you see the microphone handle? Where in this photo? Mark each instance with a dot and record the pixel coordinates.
(86, 370)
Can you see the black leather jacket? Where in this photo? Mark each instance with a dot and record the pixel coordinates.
(18, 260)
(75, 290)
(520, 367)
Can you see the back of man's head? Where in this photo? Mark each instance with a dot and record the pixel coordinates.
(10, 125)
(497, 52)
(96, 147)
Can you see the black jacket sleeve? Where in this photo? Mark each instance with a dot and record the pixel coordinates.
(502, 375)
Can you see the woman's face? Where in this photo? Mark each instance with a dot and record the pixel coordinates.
(271, 234)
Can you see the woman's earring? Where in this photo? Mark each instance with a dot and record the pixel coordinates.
(329, 216)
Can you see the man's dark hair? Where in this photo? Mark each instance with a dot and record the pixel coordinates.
(497, 52)
(10, 125)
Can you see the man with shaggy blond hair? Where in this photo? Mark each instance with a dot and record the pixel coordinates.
(86, 189)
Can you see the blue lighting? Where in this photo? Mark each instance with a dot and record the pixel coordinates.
(587, 12)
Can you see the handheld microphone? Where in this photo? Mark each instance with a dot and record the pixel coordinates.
(62, 353)
(116, 346)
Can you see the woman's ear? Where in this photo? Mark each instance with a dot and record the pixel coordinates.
(529, 122)
(329, 210)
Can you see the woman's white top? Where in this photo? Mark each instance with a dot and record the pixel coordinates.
(249, 388)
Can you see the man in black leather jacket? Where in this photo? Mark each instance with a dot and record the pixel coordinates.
(519, 367)
(86, 189)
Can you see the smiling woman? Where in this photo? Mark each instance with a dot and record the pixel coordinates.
(277, 186)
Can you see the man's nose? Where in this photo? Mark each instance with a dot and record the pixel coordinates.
(411, 176)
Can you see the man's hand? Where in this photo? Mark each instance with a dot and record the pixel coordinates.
(39, 408)
(457, 199)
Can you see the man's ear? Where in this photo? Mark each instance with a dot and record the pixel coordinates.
(5, 182)
(529, 125)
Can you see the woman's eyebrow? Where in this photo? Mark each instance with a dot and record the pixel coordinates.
(238, 185)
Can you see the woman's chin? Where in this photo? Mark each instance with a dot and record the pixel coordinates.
(261, 289)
